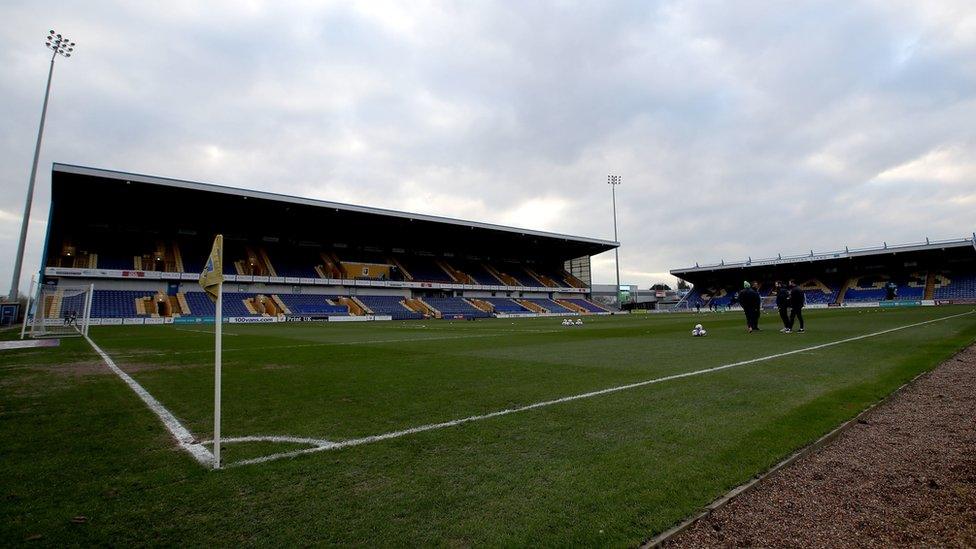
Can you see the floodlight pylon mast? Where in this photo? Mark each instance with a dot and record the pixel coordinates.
(613, 181)
(60, 45)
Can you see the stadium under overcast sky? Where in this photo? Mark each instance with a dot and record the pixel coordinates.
(739, 128)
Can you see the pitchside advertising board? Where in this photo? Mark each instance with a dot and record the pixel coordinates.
(250, 279)
(903, 303)
(964, 301)
(275, 319)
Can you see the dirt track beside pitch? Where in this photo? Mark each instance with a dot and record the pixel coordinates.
(905, 474)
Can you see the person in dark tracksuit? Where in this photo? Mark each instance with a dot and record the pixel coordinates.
(797, 301)
(783, 304)
(750, 301)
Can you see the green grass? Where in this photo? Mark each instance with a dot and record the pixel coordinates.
(609, 470)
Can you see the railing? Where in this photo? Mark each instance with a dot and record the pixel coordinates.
(300, 281)
(812, 256)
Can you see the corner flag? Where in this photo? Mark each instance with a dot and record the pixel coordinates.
(213, 272)
(212, 281)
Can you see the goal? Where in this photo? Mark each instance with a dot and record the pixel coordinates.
(62, 312)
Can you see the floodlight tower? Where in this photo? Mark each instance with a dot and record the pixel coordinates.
(59, 45)
(613, 181)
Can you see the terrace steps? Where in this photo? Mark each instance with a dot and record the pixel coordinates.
(456, 275)
(502, 277)
(597, 305)
(166, 256)
(263, 257)
(174, 305)
(481, 305)
(184, 306)
(418, 305)
(850, 283)
(264, 305)
(534, 307)
(406, 274)
(572, 280)
(254, 263)
(356, 307)
(178, 258)
(282, 308)
(929, 285)
(141, 306)
(329, 267)
(249, 305)
(572, 306)
(541, 278)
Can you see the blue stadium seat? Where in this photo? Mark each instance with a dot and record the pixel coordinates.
(549, 305)
(505, 305)
(586, 304)
(116, 303)
(312, 305)
(389, 305)
(453, 306)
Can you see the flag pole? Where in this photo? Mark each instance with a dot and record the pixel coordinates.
(218, 321)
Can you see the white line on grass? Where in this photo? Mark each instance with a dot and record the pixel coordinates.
(208, 332)
(507, 411)
(182, 435)
(273, 438)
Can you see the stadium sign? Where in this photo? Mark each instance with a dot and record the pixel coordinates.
(193, 319)
(901, 303)
(252, 319)
(158, 320)
(801, 259)
(957, 301)
(306, 318)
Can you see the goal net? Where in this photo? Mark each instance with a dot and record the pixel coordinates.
(61, 312)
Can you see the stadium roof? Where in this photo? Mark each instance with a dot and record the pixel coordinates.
(66, 187)
(846, 253)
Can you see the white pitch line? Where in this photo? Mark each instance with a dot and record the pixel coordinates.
(507, 411)
(182, 435)
(208, 332)
(273, 438)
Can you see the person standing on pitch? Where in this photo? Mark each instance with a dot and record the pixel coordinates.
(749, 300)
(783, 303)
(757, 309)
(797, 301)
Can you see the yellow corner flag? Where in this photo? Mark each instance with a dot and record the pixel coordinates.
(213, 273)
(211, 280)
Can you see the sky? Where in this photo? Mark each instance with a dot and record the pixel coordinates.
(739, 129)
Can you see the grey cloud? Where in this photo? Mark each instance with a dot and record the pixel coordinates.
(740, 128)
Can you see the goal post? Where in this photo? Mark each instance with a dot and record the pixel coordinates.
(62, 312)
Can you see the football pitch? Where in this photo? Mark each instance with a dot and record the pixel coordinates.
(494, 432)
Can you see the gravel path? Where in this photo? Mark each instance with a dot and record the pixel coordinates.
(904, 476)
